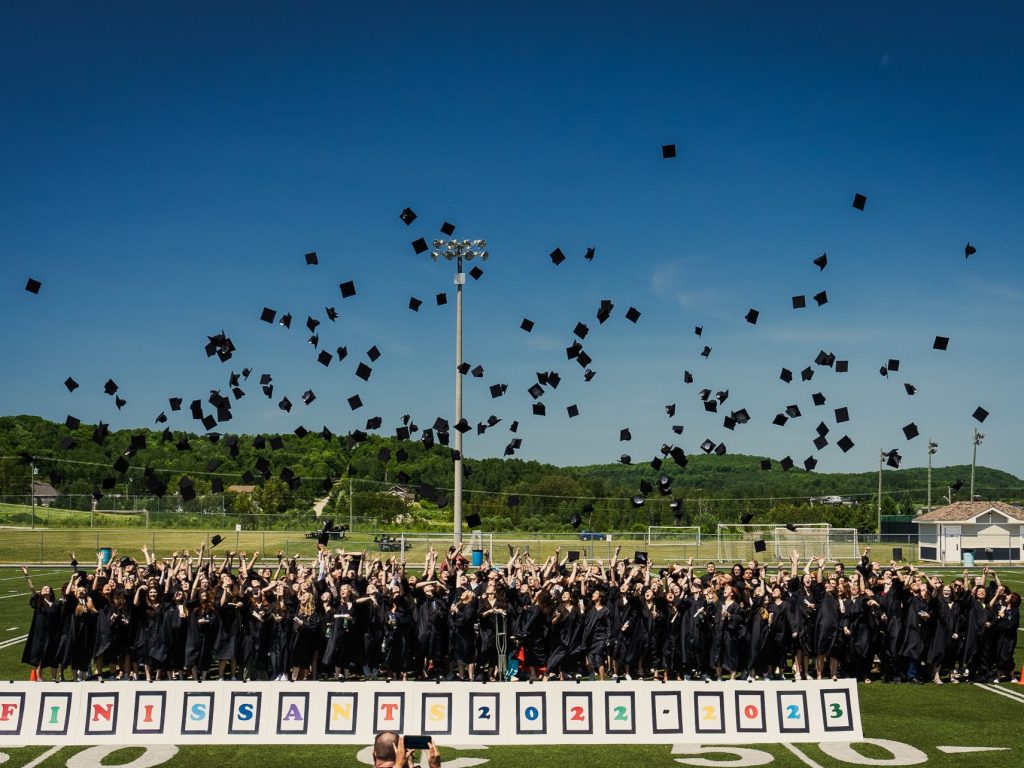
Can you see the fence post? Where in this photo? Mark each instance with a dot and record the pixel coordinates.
(42, 536)
(263, 542)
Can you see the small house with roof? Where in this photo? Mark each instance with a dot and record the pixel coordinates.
(43, 494)
(965, 531)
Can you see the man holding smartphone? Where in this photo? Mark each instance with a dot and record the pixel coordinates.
(391, 751)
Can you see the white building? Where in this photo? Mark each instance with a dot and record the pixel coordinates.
(989, 531)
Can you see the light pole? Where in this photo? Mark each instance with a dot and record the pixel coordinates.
(32, 492)
(457, 250)
(882, 456)
(932, 448)
(978, 437)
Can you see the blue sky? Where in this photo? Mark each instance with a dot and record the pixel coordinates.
(165, 166)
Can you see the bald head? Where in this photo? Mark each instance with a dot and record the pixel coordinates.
(384, 744)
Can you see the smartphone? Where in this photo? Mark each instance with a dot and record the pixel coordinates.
(416, 742)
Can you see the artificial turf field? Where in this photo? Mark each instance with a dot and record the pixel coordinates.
(903, 725)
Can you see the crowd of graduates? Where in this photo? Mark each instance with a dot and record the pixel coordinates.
(345, 615)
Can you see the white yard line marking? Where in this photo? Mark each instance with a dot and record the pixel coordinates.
(10, 629)
(20, 594)
(42, 758)
(965, 750)
(33, 575)
(13, 641)
(1011, 695)
(804, 758)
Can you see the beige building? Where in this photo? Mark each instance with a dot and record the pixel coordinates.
(985, 531)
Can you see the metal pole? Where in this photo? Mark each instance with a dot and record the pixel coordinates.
(32, 492)
(460, 278)
(351, 519)
(974, 460)
(880, 461)
(930, 452)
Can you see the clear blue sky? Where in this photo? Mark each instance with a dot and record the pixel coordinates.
(165, 166)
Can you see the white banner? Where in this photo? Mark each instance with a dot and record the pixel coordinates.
(456, 713)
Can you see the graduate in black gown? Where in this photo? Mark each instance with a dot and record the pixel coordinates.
(306, 635)
(973, 617)
(915, 630)
(596, 631)
(492, 616)
(252, 656)
(827, 636)
(40, 650)
(229, 624)
(857, 622)
(201, 632)
(1005, 632)
(563, 638)
(726, 637)
(462, 627)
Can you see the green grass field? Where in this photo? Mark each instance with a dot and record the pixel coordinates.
(918, 720)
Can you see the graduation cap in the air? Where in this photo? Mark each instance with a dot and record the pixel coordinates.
(215, 540)
(408, 216)
(415, 304)
(941, 343)
(624, 434)
(818, 398)
(668, 151)
(822, 261)
(910, 388)
(786, 375)
(589, 255)
(71, 384)
(842, 414)
(448, 228)
(526, 325)
(557, 257)
(858, 201)
(969, 250)
(845, 443)
(766, 464)
(33, 285)
(980, 414)
(632, 314)
(910, 431)
(821, 298)
(473, 520)
(751, 316)
(311, 258)
(573, 411)
(780, 420)
(799, 302)
(419, 245)
(760, 546)
(842, 366)
(786, 464)
(441, 299)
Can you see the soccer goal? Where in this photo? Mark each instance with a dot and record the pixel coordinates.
(817, 540)
(672, 543)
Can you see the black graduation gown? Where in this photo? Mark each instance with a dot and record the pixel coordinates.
(827, 640)
(532, 629)
(1005, 629)
(461, 625)
(306, 635)
(943, 649)
(698, 628)
(225, 644)
(760, 646)
(343, 647)
(596, 628)
(858, 618)
(279, 642)
(625, 630)
(563, 637)
(397, 645)
(487, 644)
(973, 616)
(725, 641)
(653, 627)
(253, 640)
(77, 635)
(43, 633)
(202, 629)
(432, 630)
(173, 636)
(104, 629)
(914, 629)
(893, 622)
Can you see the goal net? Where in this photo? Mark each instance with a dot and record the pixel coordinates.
(736, 543)
(672, 543)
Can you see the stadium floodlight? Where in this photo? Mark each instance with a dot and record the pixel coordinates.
(457, 251)
(932, 448)
(978, 437)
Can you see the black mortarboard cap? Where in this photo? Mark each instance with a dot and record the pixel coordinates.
(766, 464)
(640, 558)
(760, 546)
(791, 527)
(941, 342)
(668, 151)
(355, 402)
(741, 416)
(441, 299)
(408, 215)
(539, 410)
(687, 377)
(526, 325)
(573, 411)
(557, 257)
(473, 520)
(707, 446)
(286, 320)
(969, 250)
(780, 419)
(33, 285)
(477, 371)
(624, 434)
(576, 520)
(820, 442)
(799, 302)
(822, 428)
(476, 273)
(858, 201)
(311, 258)
(793, 411)
(670, 410)
(625, 459)
(268, 315)
(448, 228)
(786, 375)
(324, 358)
(332, 313)
(414, 304)
(363, 371)
(419, 245)
(706, 352)
(463, 368)
(373, 353)
(71, 384)
(589, 255)
(807, 374)
(720, 449)
(746, 518)
(589, 374)
(842, 366)
(308, 396)
(215, 540)
(632, 314)
(910, 431)
(276, 444)
(347, 289)
(678, 428)
(72, 423)
(980, 414)
(646, 487)
(822, 261)
(581, 330)
(818, 399)
(842, 414)
(893, 365)
(751, 316)
(786, 464)
(711, 406)
(656, 464)
(110, 387)
(821, 298)
(637, 501)
(497, 390)
(910, 388)
(845, 443)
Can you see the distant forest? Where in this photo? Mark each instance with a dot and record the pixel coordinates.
(291, 471)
